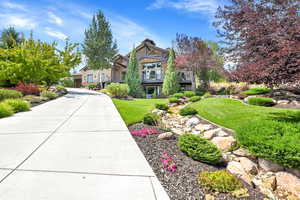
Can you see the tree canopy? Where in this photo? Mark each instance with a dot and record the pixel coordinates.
(99, 46)
(10, 38)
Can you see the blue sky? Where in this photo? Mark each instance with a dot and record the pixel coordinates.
(131, 21)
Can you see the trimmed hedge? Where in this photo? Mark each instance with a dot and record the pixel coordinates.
(18, 105)
(151, 119)
(9, 94)
(256, 91)
(194, 99)
(161, 106)
(273, 140)
(178, 95)
(173, 100)
(199, 148)
(261, 101)
(188, 111)
(49, 94)
(189, 94)
(118, 89)
(5, 110)
(219, 181)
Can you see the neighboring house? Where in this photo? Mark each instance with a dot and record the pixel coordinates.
(152, 67)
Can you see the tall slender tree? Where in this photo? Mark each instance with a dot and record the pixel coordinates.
(170, 85)
(10, 38)
(132, 76)
(99, 46)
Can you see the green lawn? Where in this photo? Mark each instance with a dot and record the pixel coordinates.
(133, 111)
(232, 113)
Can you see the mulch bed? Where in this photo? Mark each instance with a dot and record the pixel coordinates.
(181, 185)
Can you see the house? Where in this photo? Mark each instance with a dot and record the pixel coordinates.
(152, 67)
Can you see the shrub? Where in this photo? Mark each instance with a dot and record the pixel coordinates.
(5, 110)
(261, 101)
(161, 106)
(189, 94)
(188, 111)
(118, 90)
(200, 92)
(199, 148)
(207, 95)
(256, 91)
(49, 94)
(33, 99)
(178, 95)
(273, 140)
(92, 86)
(173, 100)
(194, 99)
(219, 181)
(151, 119)
(9, 94)
(18, 105)
(67, 82)
(28, 89)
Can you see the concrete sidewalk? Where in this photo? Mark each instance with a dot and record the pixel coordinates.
(76, 147)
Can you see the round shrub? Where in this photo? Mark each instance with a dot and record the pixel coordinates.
(188, 111)
(9, 94)
(161, 106)
(273, 140)
(92, 86)
(178, 95)
(199, 148)
(219, 181)
(256, 91)
(261, 101)
(5, 110)
(194, 99)
(189, 94)
(118, 90)
(173, 100)
(18, 105)
(49, 94)
(207, 95)
(151, 119)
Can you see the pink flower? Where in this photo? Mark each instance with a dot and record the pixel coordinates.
(168, 162)
(144, 132)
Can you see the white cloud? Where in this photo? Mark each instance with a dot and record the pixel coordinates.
(18, 21)
(196, 6)
(55, 33)
(11, 5)
(55, 19)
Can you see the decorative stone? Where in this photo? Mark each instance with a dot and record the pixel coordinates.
(237, 169)
(266, 183)
(221, 133)
(203, 127)
(196, 132)
(209, 197)
(243, 153)
(192, 122)
(295, 172)
(288, 182)
(249, 166)
(209, 134)
(187, 130)
(228, 156)
(176, 131)
(165, 135)
(267, 165)
(224, 143)
(283, 102)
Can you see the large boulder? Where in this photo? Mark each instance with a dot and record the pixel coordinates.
(237, 169)
(192, 122)
(165, 135)
(267, 165)
(224, 143)
(249, 166)
(203, 127)
(288, 182)
(243, 153)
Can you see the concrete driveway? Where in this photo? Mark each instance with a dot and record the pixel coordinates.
(76, 147)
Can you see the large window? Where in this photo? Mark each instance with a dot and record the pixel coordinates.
(152, 71)
(89, 78)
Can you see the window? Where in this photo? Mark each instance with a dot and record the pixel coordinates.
(152, 71)
(90, 78)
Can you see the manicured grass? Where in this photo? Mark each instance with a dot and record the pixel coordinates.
(232, 113)
(134, 111)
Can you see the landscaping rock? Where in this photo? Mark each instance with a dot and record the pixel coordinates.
(249, 166)
(209, 134)
(165, 135)
(289, 182)
(237, 169)
(196, 132)
(243, 153)
(203, 127)
(177, 131)
(192, 122)
(266, 183)
(295, 172)
(221, 133)
(224, 143)
(209, 197)
(228, 156)
(267, 165)
(283, 102)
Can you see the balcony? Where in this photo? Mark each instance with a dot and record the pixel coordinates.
(152, 78)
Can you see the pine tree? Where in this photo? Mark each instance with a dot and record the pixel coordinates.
(98, 46)
(170, 85)
(10, 38)
(132, 76)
